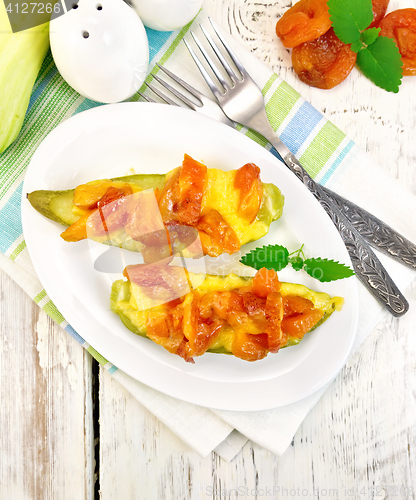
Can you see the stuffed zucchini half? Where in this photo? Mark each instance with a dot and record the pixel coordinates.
(225, 209)
(189, 314)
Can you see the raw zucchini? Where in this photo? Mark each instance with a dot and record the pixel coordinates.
(21, 57)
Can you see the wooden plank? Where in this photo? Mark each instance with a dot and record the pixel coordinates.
(45, 392)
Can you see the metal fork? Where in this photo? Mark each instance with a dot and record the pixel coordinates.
(205, 105)
(372, 229)
(210, 108)
(243, 102)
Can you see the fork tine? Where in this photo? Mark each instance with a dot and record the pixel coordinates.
(204, 72)
(198, 95)
(146, 98)
(231, 53)
(161, 95)
(180, 96)
(222, 59)
(210, 62)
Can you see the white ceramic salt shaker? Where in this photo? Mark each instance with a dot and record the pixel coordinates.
(101, 49)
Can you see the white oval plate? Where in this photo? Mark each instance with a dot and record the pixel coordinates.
(111, 140)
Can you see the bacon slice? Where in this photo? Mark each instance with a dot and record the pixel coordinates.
(109, 216)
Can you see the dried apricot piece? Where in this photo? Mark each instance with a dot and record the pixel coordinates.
(114, 193)
(110, 216)
(324, 62)
(401, 26)
(191, 189)
(250, 347)
(77, 231)
(87, 196)
(161, 328)
(217, 235)
(306, 20)
(293, 304)
(274, 316)
(379, 10)
(247, 180)
(265, 281)
(299, 324)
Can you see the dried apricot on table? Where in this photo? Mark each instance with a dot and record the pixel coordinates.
(306, 20)
(379, 10)
(400, 25)
(324, 62)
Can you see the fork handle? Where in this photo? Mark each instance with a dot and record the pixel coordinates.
(368, 268)
(376, 232)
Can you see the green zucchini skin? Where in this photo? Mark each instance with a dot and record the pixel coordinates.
(21, 57)
(292, 341)
(43, 201)
(121, 292)
(58, 206)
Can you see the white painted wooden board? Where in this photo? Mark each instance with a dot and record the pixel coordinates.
(358, 442)
(45, 395)
(360, 439)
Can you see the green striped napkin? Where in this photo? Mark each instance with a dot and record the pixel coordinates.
(328, 154)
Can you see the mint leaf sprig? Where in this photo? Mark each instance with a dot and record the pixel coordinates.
(277, 257)
(378, 57)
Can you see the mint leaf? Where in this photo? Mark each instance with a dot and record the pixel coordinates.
(367, 37)
(370, 36)
(272, 257)
(357, 46)
(350, 17)
(327, 270)
(277, 257)
(381, 63)
(297, 262)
